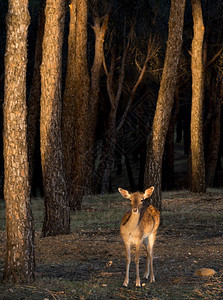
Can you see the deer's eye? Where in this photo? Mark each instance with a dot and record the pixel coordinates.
(142, 199)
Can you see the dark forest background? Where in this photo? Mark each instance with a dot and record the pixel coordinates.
(144, 18)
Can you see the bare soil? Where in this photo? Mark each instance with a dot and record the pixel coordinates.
(90, 263)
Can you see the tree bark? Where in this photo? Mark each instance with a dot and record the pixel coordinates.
(197, 183)
(75, 105)
(57, 214)
(19, 262)
(165, 102)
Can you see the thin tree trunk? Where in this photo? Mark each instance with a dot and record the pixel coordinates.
(212, 147)
(129, 172)
(57, 214)
(19, 262)
(168, 160)
(68, 122)
(107, 158)
(75, 107)
(197, 183)
(100, 31)
(165, 101)
(142, 163)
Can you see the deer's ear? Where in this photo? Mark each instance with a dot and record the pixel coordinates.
(124, 193)
(148, 192)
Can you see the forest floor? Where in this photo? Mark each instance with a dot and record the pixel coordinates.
(89, 263)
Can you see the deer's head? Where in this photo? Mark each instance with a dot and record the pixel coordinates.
(137, 199)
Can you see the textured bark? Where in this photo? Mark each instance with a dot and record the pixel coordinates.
(57, 217)
(197, 183)
(75, 105)
(165, 102)
(19, 263)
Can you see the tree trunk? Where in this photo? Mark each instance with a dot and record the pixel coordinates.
(142, 163)
(168, 181)
(197, 184)
(107, 158)
(75, 105)
(19, 263)
(68, 120)
(165, 101)
(214, 134)
(129, 172)
(100, 31)
(57, 214)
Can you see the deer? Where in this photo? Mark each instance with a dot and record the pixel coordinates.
(139, 226)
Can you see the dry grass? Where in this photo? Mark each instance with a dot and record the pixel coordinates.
(90, 264)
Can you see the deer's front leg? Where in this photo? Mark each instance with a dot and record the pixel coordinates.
(128, 260)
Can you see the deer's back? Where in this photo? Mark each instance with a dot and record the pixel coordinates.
(149, 219)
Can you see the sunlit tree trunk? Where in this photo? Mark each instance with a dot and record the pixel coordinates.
(197, 182)
(19, 263)
(57, 214)
(165, 101)
(76, 104)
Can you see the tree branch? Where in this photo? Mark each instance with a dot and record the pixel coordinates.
(213, 59)
(149, 55)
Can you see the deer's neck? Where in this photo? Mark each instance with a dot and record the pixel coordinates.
(133, 221)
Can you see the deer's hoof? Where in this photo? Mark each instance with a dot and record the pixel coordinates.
(138, 284)
(125, 283)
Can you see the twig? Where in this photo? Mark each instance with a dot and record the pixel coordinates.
(214, 58)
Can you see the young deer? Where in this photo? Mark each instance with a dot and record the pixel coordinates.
(139, 226)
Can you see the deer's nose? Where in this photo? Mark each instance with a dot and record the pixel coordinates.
(135, 209)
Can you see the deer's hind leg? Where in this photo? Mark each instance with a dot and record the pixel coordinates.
(146, 274)
(149, 243)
